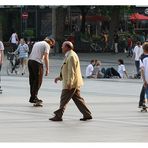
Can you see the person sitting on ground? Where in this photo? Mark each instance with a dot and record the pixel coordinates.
(113, 73)
(110, 73)
(97, 71)
(121, 68)
(89, 69)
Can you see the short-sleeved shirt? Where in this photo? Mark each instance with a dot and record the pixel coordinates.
(38, 50)
(144, 65)
(89, 70)
(138, 52)
(121, 70)
(1, 46)
(14, 38)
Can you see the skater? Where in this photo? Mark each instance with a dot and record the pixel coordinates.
(71, 77)
(1, 60)
(39, 54)
(144, 69)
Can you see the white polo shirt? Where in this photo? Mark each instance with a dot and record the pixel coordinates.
(89, 70)
(138, 52)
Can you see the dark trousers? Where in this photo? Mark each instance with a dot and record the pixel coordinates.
(35, 77)
(142, 96)
(66, 95)
(137, 64)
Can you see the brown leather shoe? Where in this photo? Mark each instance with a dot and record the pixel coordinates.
(85, 118)
(55, 118)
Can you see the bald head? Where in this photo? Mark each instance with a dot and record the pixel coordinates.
(66, 46)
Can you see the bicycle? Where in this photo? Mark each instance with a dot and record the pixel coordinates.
(13, 63)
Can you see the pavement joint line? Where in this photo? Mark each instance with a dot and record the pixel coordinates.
(95, 119)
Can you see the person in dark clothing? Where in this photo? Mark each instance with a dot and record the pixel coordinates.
(142, 97)
(110, 72)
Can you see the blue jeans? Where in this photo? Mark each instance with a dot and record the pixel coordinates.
(137, 64)
(146, 92)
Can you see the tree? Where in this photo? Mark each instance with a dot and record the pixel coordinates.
(84, 11)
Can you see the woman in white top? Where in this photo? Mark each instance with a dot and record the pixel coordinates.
(121, 68)
(14, 40)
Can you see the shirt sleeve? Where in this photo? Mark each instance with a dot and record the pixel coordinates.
(141, 64)
(1, 46)
(123, 67)
(47, 48)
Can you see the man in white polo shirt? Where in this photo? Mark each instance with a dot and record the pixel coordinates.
(137, 52)
(38, 56)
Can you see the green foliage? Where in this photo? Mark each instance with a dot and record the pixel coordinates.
(29, 33)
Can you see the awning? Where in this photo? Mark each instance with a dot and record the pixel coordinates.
(137, 17)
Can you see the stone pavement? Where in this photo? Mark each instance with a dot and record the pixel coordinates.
(113, 103)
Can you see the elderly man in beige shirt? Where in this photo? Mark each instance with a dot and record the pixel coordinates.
(71, 77)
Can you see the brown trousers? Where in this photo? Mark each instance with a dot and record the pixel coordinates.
(78, 100)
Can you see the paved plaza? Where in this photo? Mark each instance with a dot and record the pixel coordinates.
(113, 102)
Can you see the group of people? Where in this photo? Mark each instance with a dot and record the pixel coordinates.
(70, 73)
(140, 55)
(94, 70)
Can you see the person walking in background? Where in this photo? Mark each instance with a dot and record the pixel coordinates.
(129, 46)
(137, 52)
(89, 69)
(1, 60)
(23, 50)
(14, 40)
(71, 77)
(116, 41)
(38, 56)
(144, 70)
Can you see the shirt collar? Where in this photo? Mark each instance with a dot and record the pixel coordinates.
(67, 53)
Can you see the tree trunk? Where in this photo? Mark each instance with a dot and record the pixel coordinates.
(114, 24)
(59, 28)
